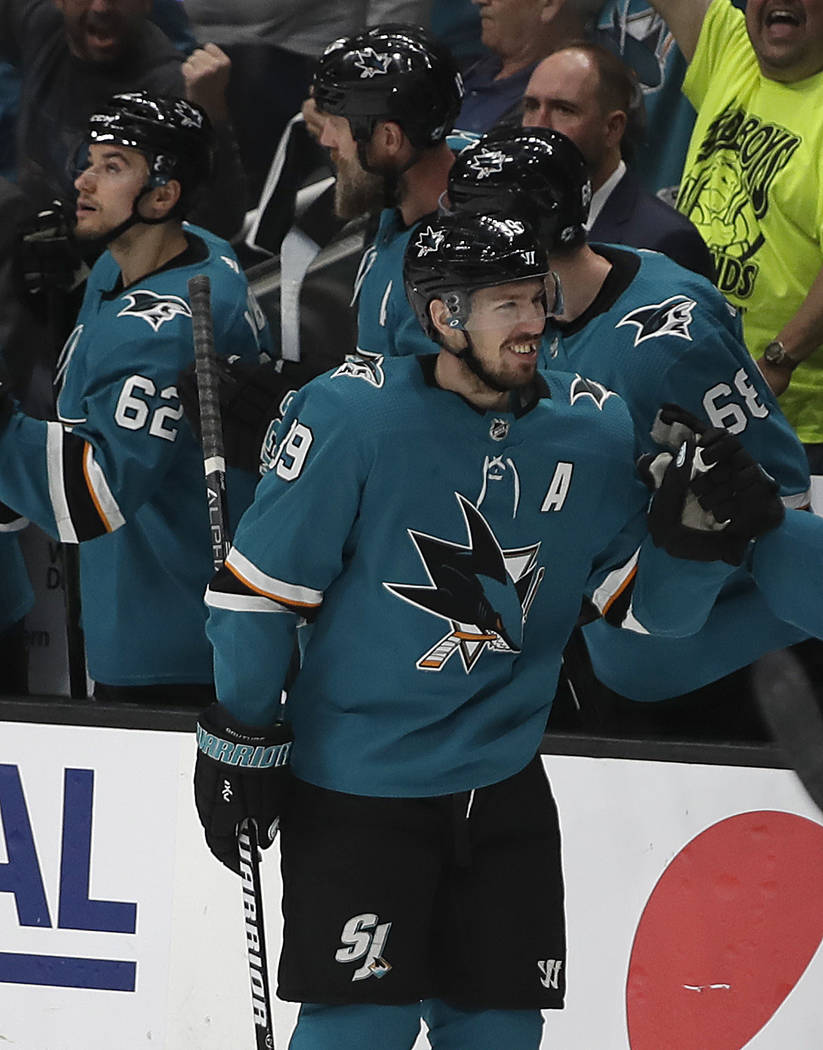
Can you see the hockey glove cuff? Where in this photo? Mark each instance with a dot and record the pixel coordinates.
(240, 772)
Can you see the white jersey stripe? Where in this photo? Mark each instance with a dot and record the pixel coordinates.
(245, 603)
(614, 584)
(57, 485)
(799, 501)
(269, 586)
(14, 526)
(101, 494)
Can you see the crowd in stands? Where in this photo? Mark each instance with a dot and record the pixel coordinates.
(694, 132)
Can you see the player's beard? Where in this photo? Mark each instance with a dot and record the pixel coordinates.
(502, 382)
(358, 192)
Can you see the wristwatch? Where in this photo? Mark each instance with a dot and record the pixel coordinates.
(776, 354)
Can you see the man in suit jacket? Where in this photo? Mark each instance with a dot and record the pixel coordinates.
(588, 94)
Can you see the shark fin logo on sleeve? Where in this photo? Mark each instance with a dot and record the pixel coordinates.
(365, 365)
(582, 387)
(154, 309)
(671, 317)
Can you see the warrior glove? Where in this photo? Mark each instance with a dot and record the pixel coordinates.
(711, 498)
(241, 772)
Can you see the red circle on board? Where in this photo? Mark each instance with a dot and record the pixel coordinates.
(726, 933)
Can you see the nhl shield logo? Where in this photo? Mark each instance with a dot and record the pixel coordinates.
(499, 429)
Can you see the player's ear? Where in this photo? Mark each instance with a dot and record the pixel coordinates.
(393, 138)
(162, 199)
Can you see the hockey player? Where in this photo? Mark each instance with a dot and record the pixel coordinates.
(385, 100)
(655, 333)
(389, 96)
(120, 460)
(435, 520)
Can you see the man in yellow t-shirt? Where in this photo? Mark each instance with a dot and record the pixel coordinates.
(752, 182)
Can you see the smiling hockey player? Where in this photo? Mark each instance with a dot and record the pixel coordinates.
(436, 520)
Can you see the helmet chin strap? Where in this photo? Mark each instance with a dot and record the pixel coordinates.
(105, 239)
(469, 357)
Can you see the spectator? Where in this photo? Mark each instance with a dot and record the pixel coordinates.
(655, 333)
(640, 37)
(439, 621)
(456, 23)
(752, 182)
(588, 94)
(517, 34)
(72, 56)
(387, 137)
(119, 460)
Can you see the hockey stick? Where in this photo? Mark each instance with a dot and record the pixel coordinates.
(789, 706)
(214, 465)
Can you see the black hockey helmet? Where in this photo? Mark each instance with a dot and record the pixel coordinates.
(176, 136)
(533, 174)
(455, 256)
(393, 71)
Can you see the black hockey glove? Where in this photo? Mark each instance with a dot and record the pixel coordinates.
(736, 488)
(676, 521)
(240, 772)
(711, 498)
(48, 257)
(250, 397)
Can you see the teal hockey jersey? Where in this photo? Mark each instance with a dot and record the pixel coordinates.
(439, 555)
(658, 333)
(120, 471)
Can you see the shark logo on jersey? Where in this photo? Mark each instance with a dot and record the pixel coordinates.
(154, 309)
(363, 364)
(589, 388)
(371, 64)
(428, 241)
(487, 162)
(481, 590)
(671, 317)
